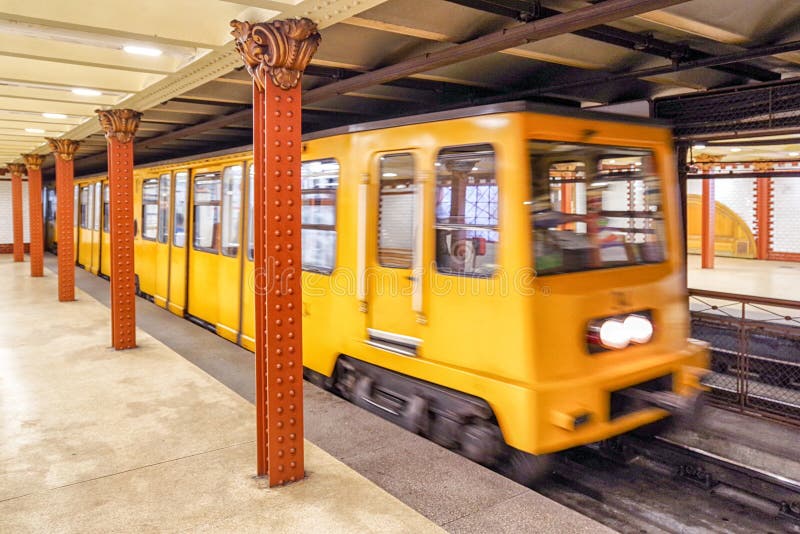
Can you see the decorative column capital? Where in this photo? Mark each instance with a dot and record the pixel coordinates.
(3, 171)
(120, 124)
(33, 161)
(16, 168)
(63, 148)
(281, 49)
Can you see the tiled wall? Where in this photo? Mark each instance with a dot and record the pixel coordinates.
(736, 193)
(6, 221)
(786, 215)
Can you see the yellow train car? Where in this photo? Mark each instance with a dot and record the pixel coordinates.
(504, 280)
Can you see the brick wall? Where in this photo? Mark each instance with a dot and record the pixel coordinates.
(6, 222)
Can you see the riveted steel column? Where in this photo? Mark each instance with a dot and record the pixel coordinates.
(64, 152)
(763, 217)
(708, 225)
(17, 170)
(276, 54)
(34, 164)
(120, 126)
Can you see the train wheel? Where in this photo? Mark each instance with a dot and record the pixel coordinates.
(526, 469)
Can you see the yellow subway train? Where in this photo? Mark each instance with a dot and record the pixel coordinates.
(505, 280)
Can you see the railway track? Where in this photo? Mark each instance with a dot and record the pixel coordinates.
(654, 485)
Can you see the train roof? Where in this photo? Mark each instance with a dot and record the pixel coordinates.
(489, 109)
(438, 116)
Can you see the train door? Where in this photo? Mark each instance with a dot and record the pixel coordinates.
(76, 208)
(161, 263)
(248, 332)
(230, 261)
(176, 301)
(203, 290)
(94, 264)
(394, 272)
(105, 237)
(146, 253)
(84, 251)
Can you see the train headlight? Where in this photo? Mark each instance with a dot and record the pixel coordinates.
(639, 328)
(620, 331)
(614, 335)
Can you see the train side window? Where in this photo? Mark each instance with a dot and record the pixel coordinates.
(396, 211)
(320, 180)
(105, 208)
(466, 211)
(164, 186)
(96, 209)
(231, 209)
(75, 206)
(250, 207)
(179, 219)
(206, 217)
(150, 209)
(84, 207)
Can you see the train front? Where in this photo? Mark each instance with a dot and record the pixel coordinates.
(610, 317)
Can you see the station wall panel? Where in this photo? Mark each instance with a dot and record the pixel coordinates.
(6, 221)
(786, 215)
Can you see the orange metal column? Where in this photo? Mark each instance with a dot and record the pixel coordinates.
(120, 126)
(276, 54)
(34, 164)
(17, 170)
(64, 151)
(763, 213)
(708, 225)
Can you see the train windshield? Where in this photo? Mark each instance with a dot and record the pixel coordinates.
(594, 207)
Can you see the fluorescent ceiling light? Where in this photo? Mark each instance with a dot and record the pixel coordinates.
(389, 174)
(699, 146)
(54, 116)
(142, 50)
(82, 91)
(735, 149)
(794, 154)
(34, 130)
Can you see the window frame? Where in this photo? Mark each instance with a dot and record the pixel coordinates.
(84, 205)
(333, 228)
(230, 252)
(475, 227)
(145, 203)
(106, 208)
(178, 175)
(162, 235)
(251, 205)
(379, 258)
(207, 177)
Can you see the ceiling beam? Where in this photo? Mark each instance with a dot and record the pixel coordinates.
(753, 53)
(644, 43)
(571, 21)
(219, 122)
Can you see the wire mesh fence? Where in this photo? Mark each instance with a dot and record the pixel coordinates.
(755, 351)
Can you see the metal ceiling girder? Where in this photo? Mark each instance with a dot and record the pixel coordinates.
(646, 44)
(569, 22)
(752, 53)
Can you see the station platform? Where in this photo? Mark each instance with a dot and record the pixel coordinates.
(161, 438)
(760, 278)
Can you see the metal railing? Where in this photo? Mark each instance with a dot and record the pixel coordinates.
(755, 352)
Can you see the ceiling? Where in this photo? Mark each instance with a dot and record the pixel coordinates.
(196, 97)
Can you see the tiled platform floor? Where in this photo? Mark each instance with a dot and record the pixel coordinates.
(93, 440)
